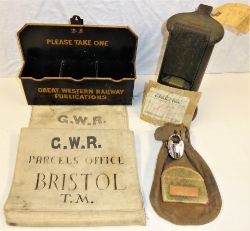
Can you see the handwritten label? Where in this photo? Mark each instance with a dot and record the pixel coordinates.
(165, 106)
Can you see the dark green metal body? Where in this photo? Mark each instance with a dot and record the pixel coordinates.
(191, 40)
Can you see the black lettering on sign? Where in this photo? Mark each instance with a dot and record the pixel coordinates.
(40, 181)
(91, 140)
(31, 158)
(73, 181)
(74, 142)
(86, 179)
(65, 196)
(102, 181)
(63, 180)
(55, 143)
(116, 186)
(82, 199)
(97, 119)
(79, 119)
(77, 198)
(63, 119)
(53, 179)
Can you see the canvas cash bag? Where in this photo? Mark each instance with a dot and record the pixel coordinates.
(184, 190)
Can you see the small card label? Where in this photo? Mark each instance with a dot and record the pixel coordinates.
(234, 15)
(163, 104)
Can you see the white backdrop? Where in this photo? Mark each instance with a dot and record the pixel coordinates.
(146, 17)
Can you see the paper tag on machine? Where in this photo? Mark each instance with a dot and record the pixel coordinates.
(163, 104)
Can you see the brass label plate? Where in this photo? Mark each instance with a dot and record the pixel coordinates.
(181, 184)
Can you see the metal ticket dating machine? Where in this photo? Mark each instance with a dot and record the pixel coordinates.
(191, 40)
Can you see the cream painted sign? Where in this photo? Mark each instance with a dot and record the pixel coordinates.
(72, 173)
